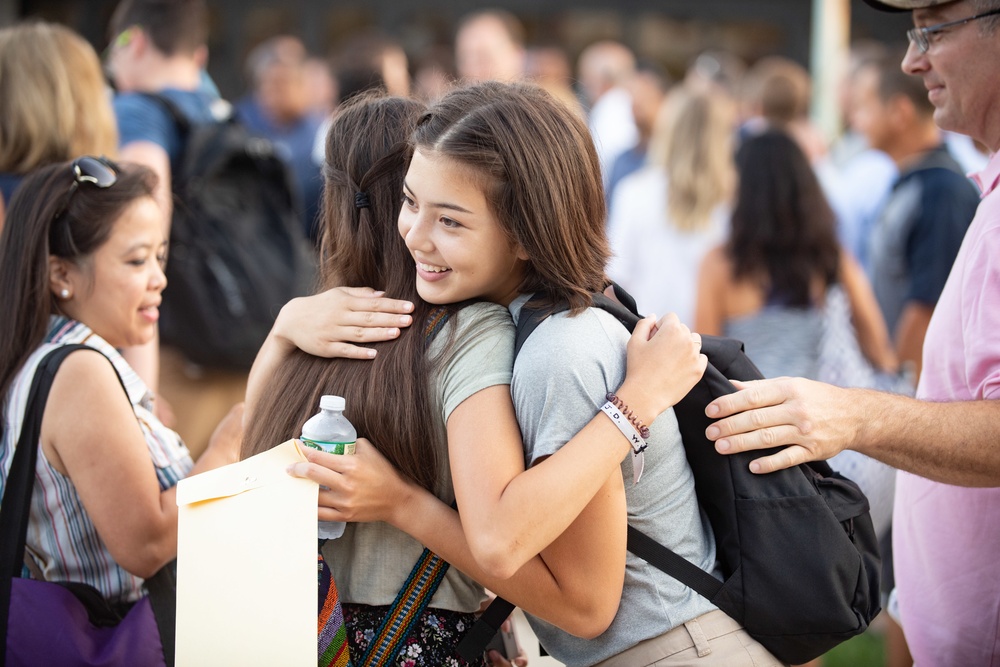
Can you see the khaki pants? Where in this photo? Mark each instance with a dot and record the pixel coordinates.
(711, 640)
(199, 397)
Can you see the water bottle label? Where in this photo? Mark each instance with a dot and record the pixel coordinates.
(330, 447)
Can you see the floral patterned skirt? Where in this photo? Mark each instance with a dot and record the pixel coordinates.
(431, 643)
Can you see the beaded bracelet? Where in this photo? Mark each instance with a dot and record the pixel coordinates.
(636, 422)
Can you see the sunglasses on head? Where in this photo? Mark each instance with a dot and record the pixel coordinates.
(94, 170)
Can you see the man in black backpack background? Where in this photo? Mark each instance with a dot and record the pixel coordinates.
(160, 47)
(946, 535)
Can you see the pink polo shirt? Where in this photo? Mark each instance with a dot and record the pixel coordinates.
(946, 539)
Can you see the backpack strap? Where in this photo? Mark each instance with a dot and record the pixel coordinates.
(488, 624)
(678, 567)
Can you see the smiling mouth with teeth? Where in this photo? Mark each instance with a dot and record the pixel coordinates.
(433, 269)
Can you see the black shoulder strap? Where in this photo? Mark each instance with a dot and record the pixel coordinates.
(678, 567)
(483, 630)
(176, 114)
(16, 506)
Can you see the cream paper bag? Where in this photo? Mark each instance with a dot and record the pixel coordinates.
(246, 564)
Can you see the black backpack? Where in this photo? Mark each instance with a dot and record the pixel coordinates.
(796, 547)
(237, 251)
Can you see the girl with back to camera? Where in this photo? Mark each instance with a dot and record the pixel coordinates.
(502, 202)
(81, 262)
(779, 265)
(424, 391)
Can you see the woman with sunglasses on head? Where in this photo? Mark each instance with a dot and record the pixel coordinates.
(81, 261)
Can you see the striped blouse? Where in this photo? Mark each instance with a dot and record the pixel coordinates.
(61, 537)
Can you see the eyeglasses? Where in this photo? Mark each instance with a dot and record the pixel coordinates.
(921, 36)
(94, 170)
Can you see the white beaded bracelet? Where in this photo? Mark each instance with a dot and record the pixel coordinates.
(634, 438)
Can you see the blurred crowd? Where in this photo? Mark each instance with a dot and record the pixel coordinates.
(725, 204)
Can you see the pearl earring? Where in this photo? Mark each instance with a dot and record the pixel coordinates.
(64, 293)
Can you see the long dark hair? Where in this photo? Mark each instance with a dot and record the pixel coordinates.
(387, 398)
(539, 171)
(35, 229)
(783, 234)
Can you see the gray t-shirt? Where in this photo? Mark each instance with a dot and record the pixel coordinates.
(371, 561)
(561, 377)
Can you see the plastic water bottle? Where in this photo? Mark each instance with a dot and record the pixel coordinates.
(329, 431)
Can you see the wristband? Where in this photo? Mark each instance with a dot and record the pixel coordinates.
(634, 438)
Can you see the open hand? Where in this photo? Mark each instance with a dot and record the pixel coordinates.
(337, 322)
(813, 420)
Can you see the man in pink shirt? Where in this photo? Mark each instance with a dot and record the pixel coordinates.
(947, 517)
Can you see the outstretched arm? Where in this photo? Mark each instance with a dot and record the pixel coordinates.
(954, 443)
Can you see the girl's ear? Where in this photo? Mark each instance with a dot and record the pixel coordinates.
(520, 252)
(60, 281)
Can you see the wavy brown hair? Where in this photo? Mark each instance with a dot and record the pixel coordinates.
(539, 172)
(783, 235)
(388, 397)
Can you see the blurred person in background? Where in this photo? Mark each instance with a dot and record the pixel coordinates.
(858, 177)
(776, 95)
(916, 237)
(649, 90)
(720, 71)
(666, 216)
(278, 108)
(605, 70)
(160, 47)
(369, 61)
(320, 86)
(550, 69)
(53, 102)
(434, 73)
(489, 46)
(768, 283)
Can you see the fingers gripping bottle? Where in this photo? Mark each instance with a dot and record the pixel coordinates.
(329, 431)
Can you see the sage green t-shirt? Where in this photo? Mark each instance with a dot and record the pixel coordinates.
(371, 561)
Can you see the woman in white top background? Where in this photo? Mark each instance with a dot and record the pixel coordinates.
(666, 216)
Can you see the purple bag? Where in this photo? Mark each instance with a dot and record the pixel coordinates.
(47, 623)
